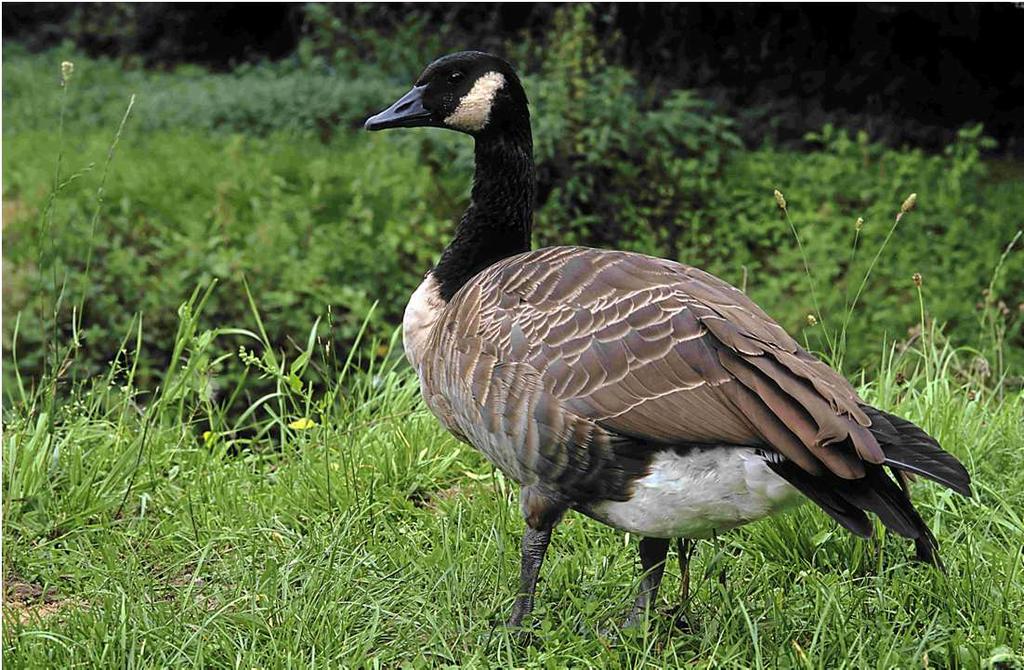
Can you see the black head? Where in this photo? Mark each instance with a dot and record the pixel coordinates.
(469, 91)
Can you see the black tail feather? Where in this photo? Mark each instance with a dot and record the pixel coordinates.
(910, 449)
(907, 449)
(847, 500)
(822, 491)
(925, 547)
(879, 494)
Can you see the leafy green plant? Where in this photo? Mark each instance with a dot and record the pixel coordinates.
(345, 220)
(614, 168)
(843, 203)
(254, 99)
(311, 226)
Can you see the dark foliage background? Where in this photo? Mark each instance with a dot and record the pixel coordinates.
(905, 73)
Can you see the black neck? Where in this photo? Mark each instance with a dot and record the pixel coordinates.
(498, 222)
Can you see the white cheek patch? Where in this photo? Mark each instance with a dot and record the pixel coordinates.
(474, 110)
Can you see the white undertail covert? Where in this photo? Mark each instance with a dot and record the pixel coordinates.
(699, 493)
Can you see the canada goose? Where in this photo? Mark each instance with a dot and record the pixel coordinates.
(644, 393)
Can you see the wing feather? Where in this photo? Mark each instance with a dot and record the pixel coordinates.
(620, 344)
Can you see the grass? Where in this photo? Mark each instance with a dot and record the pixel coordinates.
(365, 535)
(148, 522)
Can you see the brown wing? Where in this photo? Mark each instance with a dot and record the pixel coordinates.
(646, 349)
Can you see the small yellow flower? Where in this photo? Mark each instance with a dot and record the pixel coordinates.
(812, 320)
(860, 223)
(305, 423)
(917, 279)
(67, 68)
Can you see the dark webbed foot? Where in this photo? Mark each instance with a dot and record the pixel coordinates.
(681, 619)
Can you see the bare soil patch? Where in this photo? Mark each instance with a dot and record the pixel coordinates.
(28, 601)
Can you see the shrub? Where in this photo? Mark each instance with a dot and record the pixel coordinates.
(254, 99)
(962, 224)
(616, 169)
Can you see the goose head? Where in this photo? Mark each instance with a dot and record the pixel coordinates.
(480, 95)
(470, 91)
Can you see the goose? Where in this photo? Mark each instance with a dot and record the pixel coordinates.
(641, 392)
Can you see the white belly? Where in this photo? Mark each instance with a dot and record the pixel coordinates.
(699, 492)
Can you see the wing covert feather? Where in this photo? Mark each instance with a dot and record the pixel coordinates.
(649, 349)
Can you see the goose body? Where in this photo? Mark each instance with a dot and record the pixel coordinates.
(550, 361)
(645, 393)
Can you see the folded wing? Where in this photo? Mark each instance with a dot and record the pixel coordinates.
(666, 354)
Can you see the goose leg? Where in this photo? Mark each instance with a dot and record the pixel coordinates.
(718, 552)
(535, 545)
(684, 547)
(541, 514)
(652, 559)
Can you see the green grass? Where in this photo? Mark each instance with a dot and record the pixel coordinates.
(373, 538)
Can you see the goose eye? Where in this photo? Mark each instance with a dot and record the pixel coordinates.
(455, 77)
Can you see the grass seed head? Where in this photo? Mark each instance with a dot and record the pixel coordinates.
(909, 203)
(812, 320)
(67, 68)
(917, 279)
(859, 224)
(780, 199)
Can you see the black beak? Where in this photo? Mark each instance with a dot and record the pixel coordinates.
(407, 112)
